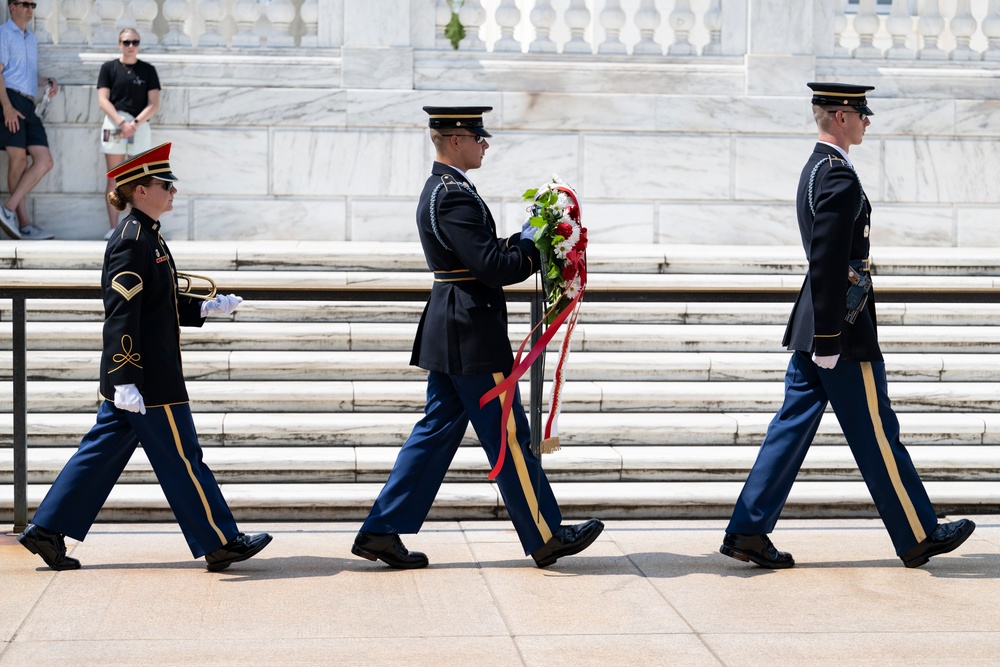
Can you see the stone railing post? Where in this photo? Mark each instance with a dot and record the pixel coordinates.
(900, 26)
(931, 26)
(963, 27)
(73, 11)
(144, 13)
(43, 12)
(612, 19)
(507, 17)
(108, 11)
(991, 28)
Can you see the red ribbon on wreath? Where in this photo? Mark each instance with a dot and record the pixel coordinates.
(573, 273)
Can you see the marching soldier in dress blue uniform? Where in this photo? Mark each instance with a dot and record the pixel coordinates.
(143, 396)
(462, 342)
(836, 359)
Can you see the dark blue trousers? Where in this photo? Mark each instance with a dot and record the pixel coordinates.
(169, 440)
(452, 401)
(857, 390)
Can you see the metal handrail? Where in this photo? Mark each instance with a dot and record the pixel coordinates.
(21, 284)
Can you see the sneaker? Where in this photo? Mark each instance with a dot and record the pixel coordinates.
(33, 233)
(108, 234)
(8, 222)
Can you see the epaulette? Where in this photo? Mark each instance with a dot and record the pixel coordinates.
(449, 183)
(131, 230)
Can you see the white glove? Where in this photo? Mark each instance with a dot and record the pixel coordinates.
(528, 230)
(826, 362)
(127, 397)
(221, 305)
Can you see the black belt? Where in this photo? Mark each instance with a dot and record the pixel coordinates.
(453, 276)
(11, 90)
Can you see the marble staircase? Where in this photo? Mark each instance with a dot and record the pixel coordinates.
(302, 405)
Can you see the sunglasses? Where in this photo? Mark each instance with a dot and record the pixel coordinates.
(862, 115)
(479, 139)
(30, 5)
(130, 42)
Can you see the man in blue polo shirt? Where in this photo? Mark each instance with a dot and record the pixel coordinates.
(22, 134)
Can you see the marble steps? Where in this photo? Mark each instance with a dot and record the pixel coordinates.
(319, 465)
(233, 430)
(587, 337)
(693, 312)
(283, 365)
(481, 500)
(346, 396)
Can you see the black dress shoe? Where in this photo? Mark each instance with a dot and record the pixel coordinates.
(240, 548)
(756, 548)
(50, 546)
(388, 548)
(568, 540)
(946, 537)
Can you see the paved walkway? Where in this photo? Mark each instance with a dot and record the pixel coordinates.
(646, 593)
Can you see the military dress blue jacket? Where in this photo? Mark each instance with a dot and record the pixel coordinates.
(463, 328)
(143, 313)
(835, 222)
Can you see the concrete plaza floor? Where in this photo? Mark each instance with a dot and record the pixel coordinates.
(646, 593)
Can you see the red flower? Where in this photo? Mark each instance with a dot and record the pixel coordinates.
(569, 272)
(581, 245)
(564, 230)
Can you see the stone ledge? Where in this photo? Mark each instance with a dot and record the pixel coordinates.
(297, 502)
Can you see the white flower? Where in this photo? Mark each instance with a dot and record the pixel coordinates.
(574, 236)
(562, 248)
(572, 288)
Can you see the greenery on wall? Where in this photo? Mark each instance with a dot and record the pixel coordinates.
(455, 31)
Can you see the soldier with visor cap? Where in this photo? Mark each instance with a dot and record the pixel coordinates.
(143, 395)
(462, 343)
(836, 360)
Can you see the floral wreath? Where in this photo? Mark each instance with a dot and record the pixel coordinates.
(561, 240)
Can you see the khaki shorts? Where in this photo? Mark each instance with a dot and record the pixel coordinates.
(113, 144)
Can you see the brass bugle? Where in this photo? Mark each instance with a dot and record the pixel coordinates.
(204, 291)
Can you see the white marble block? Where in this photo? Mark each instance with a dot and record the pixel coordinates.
(332, 163)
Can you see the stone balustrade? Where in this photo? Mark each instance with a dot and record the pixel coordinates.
(678, 120)
(860, 29)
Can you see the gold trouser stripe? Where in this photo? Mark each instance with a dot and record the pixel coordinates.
(194, 480)
(890, 461)
(516, 455)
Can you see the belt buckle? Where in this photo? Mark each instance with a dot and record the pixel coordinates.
(866, 264)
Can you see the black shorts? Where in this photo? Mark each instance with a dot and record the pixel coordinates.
(30, 131)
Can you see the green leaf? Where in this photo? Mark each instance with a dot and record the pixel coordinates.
(529, 194)
(454, 31)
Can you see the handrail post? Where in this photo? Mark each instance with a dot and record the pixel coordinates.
(537, 377)
(20, 414)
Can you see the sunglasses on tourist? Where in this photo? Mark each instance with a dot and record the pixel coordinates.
(862, 115)
(130, 42)
(30, 5)
(479, 139)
